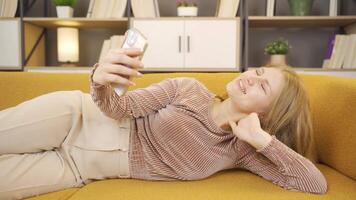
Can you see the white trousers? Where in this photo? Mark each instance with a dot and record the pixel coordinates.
(57, 141)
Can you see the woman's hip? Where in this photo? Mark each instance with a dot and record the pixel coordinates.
(99, 148)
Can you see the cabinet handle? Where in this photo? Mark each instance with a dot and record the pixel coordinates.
(188, 43)
(179, 44)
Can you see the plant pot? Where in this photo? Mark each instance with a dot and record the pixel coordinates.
(187, 11)
(64, 11)
(300, 7)
(278, 59)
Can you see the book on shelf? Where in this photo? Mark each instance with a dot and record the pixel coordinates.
(271, 4)
(341, 52)
(337, 53)
(90, 8)
(350, 58)
(106, 9)
(8, 8)
(145, 8)
(114, 42)
(334, 7)
(227, 8)
(330, 47)
(118, 9)
(351, 30)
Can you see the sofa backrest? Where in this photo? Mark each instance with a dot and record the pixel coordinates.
(333, 102)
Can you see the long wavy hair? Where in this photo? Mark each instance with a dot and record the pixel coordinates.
(289, 117)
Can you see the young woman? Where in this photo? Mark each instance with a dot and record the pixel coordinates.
(172, 130)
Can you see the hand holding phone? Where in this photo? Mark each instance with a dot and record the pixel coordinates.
(133, 39)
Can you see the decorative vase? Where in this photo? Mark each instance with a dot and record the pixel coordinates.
(300, 7)
(187, 11)
(64, 11)
(278, 59)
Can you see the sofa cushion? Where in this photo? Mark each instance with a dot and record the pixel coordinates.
(229, 184)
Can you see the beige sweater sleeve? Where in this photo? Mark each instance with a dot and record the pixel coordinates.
(281, 165)
(133, 104)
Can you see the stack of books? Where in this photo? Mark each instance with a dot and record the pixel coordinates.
(114, 42)
(8, 8)
(227, 8)
(341, 52)
(106, 8)
(145, 8)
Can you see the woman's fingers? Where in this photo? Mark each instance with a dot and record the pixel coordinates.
(232, 124)
(128, 51)
(113, 78)
(118, 66)
(123, 70)
(125, 57)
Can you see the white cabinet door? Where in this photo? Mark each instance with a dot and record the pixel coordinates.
(10, 44)
(164, 37)
(211, 44)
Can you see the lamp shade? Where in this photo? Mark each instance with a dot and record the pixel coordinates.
(68, 44)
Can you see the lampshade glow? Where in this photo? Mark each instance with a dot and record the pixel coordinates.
(68, 44)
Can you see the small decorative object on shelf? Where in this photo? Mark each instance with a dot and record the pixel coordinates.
(300, 7)
(64, 8)
(185, 8)
(277, 50)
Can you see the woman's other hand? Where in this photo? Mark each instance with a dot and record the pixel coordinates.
(249, 130)
(117, 66)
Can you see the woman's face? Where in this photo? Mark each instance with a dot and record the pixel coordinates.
(254, 90)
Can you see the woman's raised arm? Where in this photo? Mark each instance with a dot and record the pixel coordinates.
(114, 68)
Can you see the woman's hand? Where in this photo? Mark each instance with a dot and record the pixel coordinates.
(117, 66)
(249, 130)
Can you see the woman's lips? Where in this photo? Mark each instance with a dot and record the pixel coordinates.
(241, 86)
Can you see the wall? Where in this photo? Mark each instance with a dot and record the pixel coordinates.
(309, 44)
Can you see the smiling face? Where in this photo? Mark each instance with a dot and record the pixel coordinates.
(255, 90)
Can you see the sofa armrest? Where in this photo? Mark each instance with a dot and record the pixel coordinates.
(333, 104)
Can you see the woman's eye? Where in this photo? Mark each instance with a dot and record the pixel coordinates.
(263, 87)
(257, 72)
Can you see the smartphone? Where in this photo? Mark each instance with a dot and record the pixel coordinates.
(133, 39)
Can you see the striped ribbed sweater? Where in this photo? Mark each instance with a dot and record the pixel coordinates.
(173, 137)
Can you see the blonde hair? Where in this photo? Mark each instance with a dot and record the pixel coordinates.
(289, 117)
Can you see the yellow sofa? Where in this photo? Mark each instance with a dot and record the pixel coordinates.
(333, 103)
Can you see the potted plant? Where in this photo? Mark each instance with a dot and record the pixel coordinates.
(64, 8)
(277, 50)
(185, 8)
(300, 7)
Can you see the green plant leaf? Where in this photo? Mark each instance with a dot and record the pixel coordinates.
(70, 3)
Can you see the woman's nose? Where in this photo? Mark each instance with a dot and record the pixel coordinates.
(253, 80)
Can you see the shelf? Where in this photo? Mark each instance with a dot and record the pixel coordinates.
(83, 22)
(81, 69)
(190, 18)
(324, 70)
(300, 21)
(78, 22)
(315, 69)
(54, 69)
